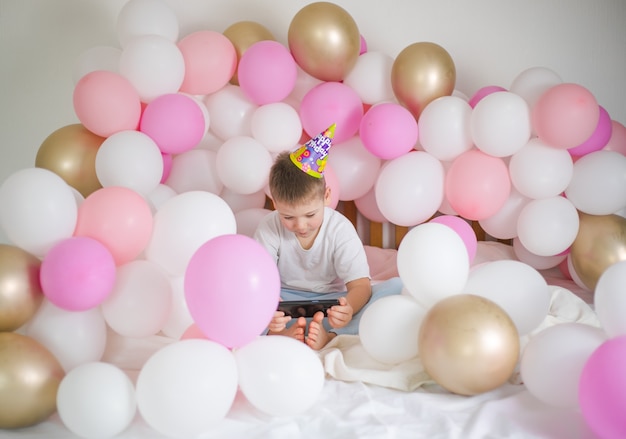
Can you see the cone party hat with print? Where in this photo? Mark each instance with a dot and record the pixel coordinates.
(312, 156)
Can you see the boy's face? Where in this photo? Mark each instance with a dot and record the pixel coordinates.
(303, 219)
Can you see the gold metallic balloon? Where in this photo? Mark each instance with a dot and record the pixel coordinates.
(20, 290)
(468, 344)
(421, 73)
(70, 152)
(244, 34)
(324, 40)
(600, 242)
(29, 379)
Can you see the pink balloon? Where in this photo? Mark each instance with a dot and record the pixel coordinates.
(77, 274)
(267, 72)
(565, 115)
(464, 230)
(363, 48)
(388, 130)
(602, 389)
(106, 103)
(598, 139)
(119, 218)
(174, 121)
(232, 288)
(477, 185)
(210, 62)
(193, 332)
(617, 142)
(328, 103)
(167, 166)
(485, 91)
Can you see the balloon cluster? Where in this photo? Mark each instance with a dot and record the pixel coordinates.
(138, 218)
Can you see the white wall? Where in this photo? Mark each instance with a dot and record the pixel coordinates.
(490, 41)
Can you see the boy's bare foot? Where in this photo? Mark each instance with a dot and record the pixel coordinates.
(318, 336)
(294, 331)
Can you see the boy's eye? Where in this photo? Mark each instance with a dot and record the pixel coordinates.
(310, 215)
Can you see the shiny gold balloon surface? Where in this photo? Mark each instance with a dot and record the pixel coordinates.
(421, 73)
(70, 152)
(600, 242)
(324, 40)
(468, 344)
(29, 379)
(20, 290)
(244, 34)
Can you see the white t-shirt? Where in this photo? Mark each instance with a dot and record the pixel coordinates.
(336, 257)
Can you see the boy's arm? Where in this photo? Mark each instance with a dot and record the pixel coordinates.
(359, 293)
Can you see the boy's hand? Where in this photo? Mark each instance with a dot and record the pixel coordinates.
(340, 315)
(279, 322)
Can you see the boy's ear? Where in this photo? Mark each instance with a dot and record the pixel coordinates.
(327, 196)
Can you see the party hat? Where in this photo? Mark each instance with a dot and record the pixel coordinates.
(311, 157)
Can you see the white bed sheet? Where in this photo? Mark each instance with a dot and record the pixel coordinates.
(363, 399)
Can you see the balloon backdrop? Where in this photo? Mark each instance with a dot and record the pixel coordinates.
(421, 73)
(20, 289)
(71, 152)
(600, 242)
(29, 378)
(468, 344)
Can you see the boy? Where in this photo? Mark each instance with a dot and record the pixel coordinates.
(318, 251)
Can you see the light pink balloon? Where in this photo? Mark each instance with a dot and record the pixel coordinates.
(267, 72)
(388, 130)
(477, 185)
(565, 115)
(367, 206)
(106, 103)
(599, 138)
(617, 142)
(174, 121)
(77, 274)
(463, 228)
(356, 168)
(482, 92)
(119, 218)
(210, 62)
(232, 288)
(329, 103)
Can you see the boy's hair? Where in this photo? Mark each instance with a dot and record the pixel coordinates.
(289, 184)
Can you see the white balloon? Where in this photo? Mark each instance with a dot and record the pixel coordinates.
(389, 328)
(531, 83)
(243, 165)
(610, 301)
(130, 159)
(96, 58)
(548, 226)
(96, 400)
(538, 170)
(195, 170)
(553, 360)
(276, 126)
(304, 83)
(231, 112)
(598, 184)
(238, 202)
(444, 127)
(73, 337)
(500, 124)
(356, 168)
(536, 261)
(146, 17)
(503, 224)
(271, 368)
(370, 77)
(185, 222)
(185, 388)
(516, 287)
(159, 195)
(154, 65)
(410, 188)
(248, 220)
(139, 304)
(179, 319)
(433, 262)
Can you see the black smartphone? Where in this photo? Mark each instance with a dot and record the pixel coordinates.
(306, 308)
